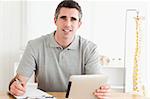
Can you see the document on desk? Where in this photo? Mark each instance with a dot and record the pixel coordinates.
(33, 93)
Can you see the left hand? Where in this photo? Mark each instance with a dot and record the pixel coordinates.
(103, 92)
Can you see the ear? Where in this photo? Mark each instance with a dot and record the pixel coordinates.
(55, 20)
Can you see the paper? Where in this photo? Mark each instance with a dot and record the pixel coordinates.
(32, 93)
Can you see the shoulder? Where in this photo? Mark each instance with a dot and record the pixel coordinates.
(38, 42)
(86, 44)
(89, 50)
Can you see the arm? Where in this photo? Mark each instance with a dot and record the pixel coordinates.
(26, 67)
(93, 66)
(18, 88)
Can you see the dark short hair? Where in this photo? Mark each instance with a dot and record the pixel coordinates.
(68, 4)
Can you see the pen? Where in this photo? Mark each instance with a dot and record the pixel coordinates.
(18, 81)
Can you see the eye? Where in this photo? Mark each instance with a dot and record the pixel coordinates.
(73, 19)
(63, 17)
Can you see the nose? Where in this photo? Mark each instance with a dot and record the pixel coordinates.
(68, 23)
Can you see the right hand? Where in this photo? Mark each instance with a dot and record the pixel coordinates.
(17, 89)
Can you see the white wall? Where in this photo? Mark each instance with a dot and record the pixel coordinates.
(10, 30)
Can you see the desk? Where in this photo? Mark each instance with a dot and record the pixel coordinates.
(61, 95)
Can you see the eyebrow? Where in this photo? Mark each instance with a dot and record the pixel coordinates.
(74, 18)
(63, 16)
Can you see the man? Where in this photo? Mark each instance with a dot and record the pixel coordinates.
(57, 56)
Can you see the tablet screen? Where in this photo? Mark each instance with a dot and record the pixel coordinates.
(83, 86)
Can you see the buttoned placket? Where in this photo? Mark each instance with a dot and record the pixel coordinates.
(61, 56)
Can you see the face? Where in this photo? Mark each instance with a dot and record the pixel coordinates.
(67, 22)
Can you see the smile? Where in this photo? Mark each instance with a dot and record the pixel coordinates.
(67, 30)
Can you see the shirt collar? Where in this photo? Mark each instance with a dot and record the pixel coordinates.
(73, 45)
(53, 42)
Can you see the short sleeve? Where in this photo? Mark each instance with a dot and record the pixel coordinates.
(92, 65)
(28, 63)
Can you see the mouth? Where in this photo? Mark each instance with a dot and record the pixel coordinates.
(67, 30)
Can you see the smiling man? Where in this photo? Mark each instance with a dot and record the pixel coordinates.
(56, 56)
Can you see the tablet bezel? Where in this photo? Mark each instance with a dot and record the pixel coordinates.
(83, 86)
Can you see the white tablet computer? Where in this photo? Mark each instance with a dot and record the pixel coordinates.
(83, 86)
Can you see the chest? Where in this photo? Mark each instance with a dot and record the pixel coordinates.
(67, 61)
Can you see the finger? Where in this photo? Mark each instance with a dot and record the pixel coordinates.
(98, 90)
(102, 94)
(19, 86)
(15, 91)
(12, 87)
(105, 86)
(18, 92)
(103, 90)
(103, 97)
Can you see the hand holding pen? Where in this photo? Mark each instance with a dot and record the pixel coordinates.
(17, 88)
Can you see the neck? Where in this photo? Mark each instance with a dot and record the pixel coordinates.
(63, 42)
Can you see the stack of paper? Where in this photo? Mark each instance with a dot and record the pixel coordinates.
(32, 93)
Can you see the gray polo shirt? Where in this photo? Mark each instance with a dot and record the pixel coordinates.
(54, 65)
